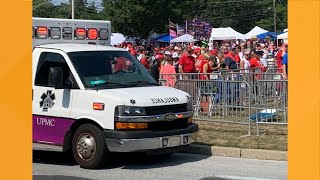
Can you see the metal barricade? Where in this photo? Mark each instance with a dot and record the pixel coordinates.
(224, 101)
(236, 97)
(192, 85)
(252, 77)
(274, 70)
(270, 105)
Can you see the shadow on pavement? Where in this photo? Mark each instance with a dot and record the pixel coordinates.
(214, 178)
(44, 177)
(120, 160)
(57, 158)
(150, 162)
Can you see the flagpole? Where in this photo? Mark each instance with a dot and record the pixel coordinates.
(169, 32)
(177, 30)
(186, 26)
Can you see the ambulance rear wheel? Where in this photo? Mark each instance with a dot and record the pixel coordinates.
(89, 147)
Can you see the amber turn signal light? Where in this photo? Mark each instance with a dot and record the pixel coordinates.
(121, 125)
(98, 106)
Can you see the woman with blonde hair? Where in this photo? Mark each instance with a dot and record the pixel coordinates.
(208, 66)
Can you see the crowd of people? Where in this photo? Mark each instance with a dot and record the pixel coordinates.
(225, 56)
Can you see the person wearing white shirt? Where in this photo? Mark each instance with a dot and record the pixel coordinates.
(245, 62)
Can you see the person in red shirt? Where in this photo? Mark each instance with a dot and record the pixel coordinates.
(255, 63)
(225, 51)
(199, 59)
(230, 54)
(214, 52)
(120, 65)
(144, 61)
(133, 51)
(237, 57)
(279, 56)
(187, 62)
(208, 66)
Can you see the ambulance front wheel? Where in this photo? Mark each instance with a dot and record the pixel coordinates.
(89, 147)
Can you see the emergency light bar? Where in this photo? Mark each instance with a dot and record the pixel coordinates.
(80, 33)
(104, 34)
(92, 34)
(41, 32)
(54, 33)
(67, 33)
(50, 30)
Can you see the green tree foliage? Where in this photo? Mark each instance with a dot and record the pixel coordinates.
(140, 17)
(42, 8)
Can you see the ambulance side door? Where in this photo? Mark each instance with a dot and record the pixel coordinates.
(51, 104)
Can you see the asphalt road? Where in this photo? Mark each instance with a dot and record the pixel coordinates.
(54, 166)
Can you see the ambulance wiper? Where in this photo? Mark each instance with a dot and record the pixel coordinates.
(144, 82)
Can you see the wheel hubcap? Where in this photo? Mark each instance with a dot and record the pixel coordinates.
(86, 146)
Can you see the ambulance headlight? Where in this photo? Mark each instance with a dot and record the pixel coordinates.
(130, 111)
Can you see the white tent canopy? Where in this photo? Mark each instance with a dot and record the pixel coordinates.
(117, 38)
(226, 33)
(183, 38)
(254, 32)
(283, 36)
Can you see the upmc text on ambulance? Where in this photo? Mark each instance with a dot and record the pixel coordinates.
(93, 99)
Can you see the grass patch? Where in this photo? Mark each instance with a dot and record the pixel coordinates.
(272, 137)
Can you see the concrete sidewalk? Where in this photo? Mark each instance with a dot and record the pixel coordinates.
(260, 154)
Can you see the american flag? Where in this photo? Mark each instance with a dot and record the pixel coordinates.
(172, 29)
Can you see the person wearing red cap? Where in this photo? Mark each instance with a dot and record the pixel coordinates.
(120, 65)
(187, 62)
(255, 63)
(199, 59)
(145, 63)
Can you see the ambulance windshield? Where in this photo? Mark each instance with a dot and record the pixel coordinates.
(110, 69)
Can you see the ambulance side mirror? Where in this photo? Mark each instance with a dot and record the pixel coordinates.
(56, 77)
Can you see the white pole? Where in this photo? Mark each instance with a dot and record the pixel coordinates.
(186, 26)
(72, 8)
(274, 16)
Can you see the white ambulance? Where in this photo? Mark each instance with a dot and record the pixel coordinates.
(93, 99)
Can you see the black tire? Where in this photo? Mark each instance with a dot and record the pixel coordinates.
(100, 152)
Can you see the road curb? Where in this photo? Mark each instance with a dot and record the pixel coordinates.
(260, 154)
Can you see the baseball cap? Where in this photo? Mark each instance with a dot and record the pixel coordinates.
(175, 55)
(213, 52)
(167, 53)
(197, 50)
